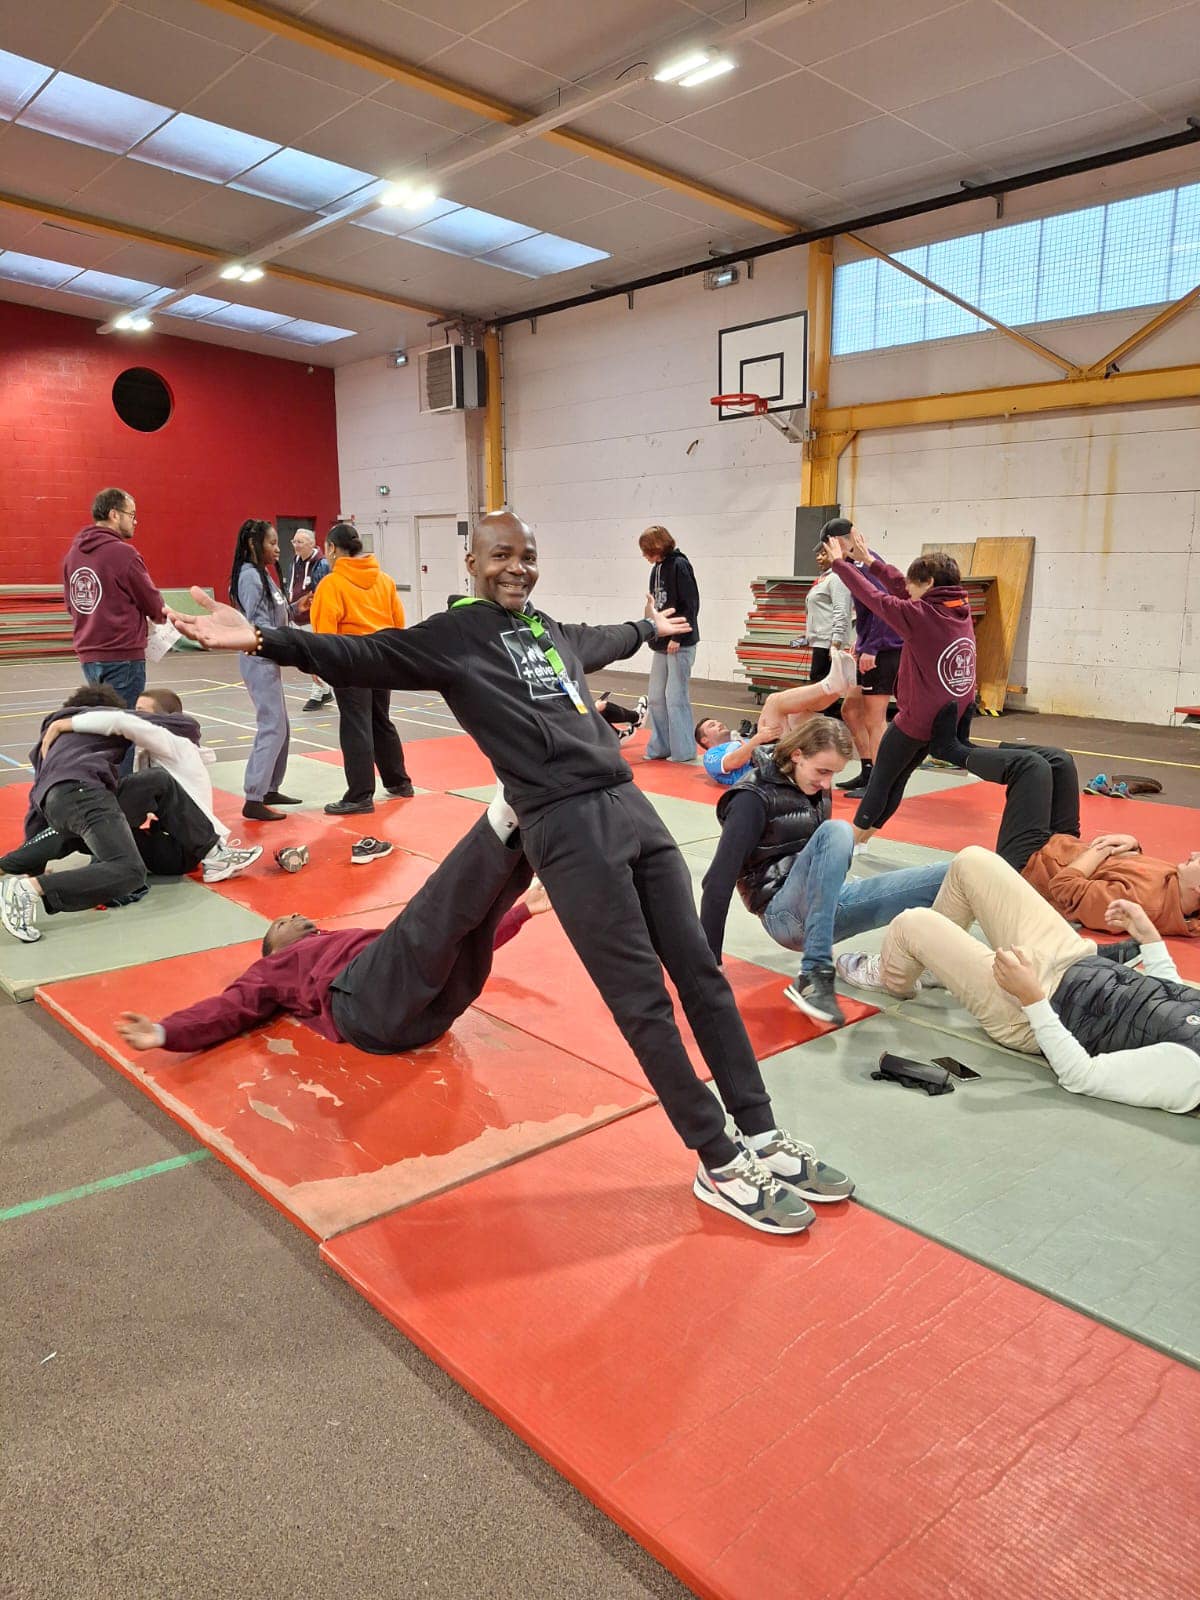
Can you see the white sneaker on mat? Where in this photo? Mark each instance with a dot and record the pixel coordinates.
(746, 1190)
(866, 972)
(228, 859)
(18, 909)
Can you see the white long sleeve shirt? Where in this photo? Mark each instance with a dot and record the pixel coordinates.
(159, 747)
(1164, 1076)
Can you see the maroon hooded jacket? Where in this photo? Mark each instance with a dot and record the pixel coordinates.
(937, 664)
(108, 592)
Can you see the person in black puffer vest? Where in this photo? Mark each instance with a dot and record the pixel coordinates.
(1106, 1029)
(789, 861)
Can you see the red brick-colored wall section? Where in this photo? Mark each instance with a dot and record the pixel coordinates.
(248, 436)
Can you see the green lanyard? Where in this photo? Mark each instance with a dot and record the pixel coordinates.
(549, 651)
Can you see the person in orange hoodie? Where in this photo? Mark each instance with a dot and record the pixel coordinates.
(1039, 836)
(357, 598)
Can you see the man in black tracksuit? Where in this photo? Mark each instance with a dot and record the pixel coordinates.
(515, 681)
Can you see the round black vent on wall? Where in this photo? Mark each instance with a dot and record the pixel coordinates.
(141, 399)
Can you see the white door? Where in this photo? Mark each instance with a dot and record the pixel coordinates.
(440, 570)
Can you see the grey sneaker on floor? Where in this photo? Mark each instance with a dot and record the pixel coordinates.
(797, 1167)
(18, 909)
(227, 860)
(814, 994)
(368, 849)
(746, 1190)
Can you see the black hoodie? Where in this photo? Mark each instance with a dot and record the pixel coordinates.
(91, 758)
(673, 585)
(490, 671)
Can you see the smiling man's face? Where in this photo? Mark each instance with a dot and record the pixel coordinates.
(503, 560)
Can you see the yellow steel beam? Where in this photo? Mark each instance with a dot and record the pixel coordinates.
(1018, 400)
(206, 252)
(493, 424)
(814, 469)
(1042, 351)
(1166, 315)
(822, 453)
(342, 47)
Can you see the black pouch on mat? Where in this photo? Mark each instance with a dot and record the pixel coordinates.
(913, 1074)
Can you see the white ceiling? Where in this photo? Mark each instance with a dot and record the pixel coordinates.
(860, 103)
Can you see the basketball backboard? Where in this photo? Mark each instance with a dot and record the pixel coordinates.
(768, 358)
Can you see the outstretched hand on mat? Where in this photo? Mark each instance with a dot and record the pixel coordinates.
(224, 628)
(1126, 916)
(1013, 971)
(137, 1030)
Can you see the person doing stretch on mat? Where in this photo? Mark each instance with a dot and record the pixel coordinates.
(383, 992)
(1106, 1029)
(789, 862)
(929, 609)
(1039, 836)
(877, 650)
(727, 757)
(516, 682)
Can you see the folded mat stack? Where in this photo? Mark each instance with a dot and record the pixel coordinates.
(34, 623)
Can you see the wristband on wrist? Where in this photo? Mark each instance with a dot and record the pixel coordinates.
(258, 643)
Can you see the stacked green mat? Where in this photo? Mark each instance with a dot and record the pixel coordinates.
(33, 621)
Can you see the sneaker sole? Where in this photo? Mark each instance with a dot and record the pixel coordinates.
(713, 1199)
(23, 934)
(362, 861)
(809, 1010)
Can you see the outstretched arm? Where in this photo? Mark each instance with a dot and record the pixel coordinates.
(243, 1005)
(598, 647)
(895, 612)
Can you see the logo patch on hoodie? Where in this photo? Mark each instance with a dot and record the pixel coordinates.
(86, 591)
(956, 668)
(532, 667)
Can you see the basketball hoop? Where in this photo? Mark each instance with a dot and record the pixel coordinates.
(732, 406)
(753, 403)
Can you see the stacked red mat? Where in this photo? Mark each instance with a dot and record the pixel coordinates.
(33, 621)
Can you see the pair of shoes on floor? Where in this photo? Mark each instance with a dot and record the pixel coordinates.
(317, 702)
(368, 849)
(19, 909)
(1103, 784)
(228, 860)
(769, 1183)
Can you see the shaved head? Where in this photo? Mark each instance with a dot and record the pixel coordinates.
(503, 559)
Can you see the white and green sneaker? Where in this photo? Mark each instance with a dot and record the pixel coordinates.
(18, 909)
(798, 1168)
(745, 1189)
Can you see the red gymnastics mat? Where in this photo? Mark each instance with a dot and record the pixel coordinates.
(329, 1135)
(328, 886)
(455, 762)
(539, 984)
(429, 825)
(857, 1414)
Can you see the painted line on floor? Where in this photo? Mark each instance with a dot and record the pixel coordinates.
(118, 1181)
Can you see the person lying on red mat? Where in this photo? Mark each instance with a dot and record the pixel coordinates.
(382, 991)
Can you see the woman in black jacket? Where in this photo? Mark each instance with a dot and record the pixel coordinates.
(672, 585)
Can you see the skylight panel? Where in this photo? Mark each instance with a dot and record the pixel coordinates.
(397, 220)
(194, 306)
(125, 291)
(298, 179)
(201, 149)
(18, 268)
(301, 332)
(543, 255)
(92, 114)
(467, 232)
(247, 319)
(19, 79)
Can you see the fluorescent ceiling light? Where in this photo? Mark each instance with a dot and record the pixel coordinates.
(19, 79)
(232, 272)
(18, 268)
(92, 114)
(201, 149)
(133, 322)
(683, 64)
(299, 179)
(543, 255)
(714, 69)
(467, 232)
(252, 275)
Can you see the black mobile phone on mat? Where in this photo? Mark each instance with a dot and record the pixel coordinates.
(955, 1068)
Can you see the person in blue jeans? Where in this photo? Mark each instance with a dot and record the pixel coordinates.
(789, 861)
(672, 587)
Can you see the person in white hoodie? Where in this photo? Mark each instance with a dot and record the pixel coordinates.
(168, 798)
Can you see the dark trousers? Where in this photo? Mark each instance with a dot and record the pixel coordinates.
(897, 758)
(1042, 798)
(623, 895)
(80, 811)
(180, 836)
(128, 678)
(617, 716)
(408, 986)
(822, 660)
(368, 740)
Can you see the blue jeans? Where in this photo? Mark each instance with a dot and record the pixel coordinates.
(816, 906)
(672, 726)
(128, 678)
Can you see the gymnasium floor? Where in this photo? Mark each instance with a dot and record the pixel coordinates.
(981, 1375)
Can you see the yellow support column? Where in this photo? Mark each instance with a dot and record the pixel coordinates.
(818, 474)
(493, 424)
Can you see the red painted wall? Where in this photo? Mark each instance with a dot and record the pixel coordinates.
(249, 436)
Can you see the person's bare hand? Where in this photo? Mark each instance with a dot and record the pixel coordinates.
(223, 628)
(1117, 844)
(857, 547)
(1126, 916)
(535, 899)
(866, 662)
(137, 1030)
(673, 647)
(665, 622)
(54, 731)
(1013, 971)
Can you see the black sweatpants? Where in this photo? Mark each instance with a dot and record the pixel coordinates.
(409, 985)
(623, 895)
(181, 835)
(1042, 799)
(368, 739)
(897, 758)
(82, 811)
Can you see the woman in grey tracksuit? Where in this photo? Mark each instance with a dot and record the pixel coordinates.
(255, 591)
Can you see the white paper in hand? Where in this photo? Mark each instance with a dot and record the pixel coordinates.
(160, 636)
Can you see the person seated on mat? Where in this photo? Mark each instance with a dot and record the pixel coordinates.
(169, 787)
(727, 755)
(516, 681)
(789, 862)
(930, 610)
(382, 991)
(623, 722)
(1037, 986)
(1039, 837)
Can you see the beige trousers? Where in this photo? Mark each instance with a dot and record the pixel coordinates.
(982, 888)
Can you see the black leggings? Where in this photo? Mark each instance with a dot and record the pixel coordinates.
(897, 759)
(1042, 800)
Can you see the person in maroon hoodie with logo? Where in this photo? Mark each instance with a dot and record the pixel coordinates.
(108, 592)
(929, 608)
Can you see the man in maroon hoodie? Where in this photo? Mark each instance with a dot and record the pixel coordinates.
(929, 608)
(108, 592)
(381, 992)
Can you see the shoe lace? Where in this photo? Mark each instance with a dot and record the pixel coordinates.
(794, 1147)
(754, 1171)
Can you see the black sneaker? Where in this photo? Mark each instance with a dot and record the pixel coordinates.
(402, 791)
(855, 791)
(313, 703)
(858, 781)
(368, 849)
(814, 994)
(349, 808)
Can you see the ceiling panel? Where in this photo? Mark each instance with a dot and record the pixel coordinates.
(143, 196)
(483, 185)
(145, 56)
(1045, 92)
(58, 241)
(752, 181)
(37, 164)
(464, 16)
(630, 184)
(470, 61)
(782, 113)
(259, 97)
(200, 20)
(378, 138)
(429, 108)
(1066, 140)
(555, 200)
(1069, 22)
(624, 227)
(1147, 58)
(842, 25)
(667, 102)
(682, 152)
(49, 33)
(574, 41)
(856, 155)
(222, 218)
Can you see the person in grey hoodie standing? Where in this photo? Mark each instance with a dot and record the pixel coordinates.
(108, 592)
(256, 593)
(673, 585)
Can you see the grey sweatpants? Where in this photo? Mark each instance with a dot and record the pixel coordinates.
(268, 757)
